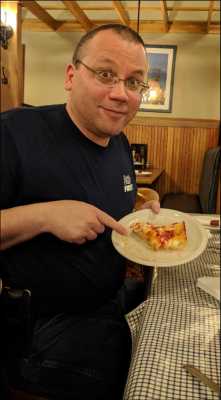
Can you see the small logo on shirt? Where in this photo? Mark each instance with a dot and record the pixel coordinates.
(128, 186)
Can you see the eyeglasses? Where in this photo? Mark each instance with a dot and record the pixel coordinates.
(109, 79)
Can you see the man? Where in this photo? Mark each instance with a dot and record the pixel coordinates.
(67, 178)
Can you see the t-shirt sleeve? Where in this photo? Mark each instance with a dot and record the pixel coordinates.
(10, 168)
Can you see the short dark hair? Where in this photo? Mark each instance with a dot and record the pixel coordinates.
(125, 31)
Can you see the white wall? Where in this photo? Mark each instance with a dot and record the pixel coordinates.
(196, 91)
(197, 71)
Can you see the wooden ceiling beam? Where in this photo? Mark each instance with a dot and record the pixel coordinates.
(210, 11)
(121, 12)
(163, 8)
(145, 26)
(79, 14)
(194, 9)
(41, 14)
(132, 7)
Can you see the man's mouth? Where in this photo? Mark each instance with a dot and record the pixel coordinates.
(114, 111)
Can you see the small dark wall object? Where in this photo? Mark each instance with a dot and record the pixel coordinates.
(6, 33)
(205, 200)
(4, 79)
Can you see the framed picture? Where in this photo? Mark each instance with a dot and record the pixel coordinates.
(161, 66)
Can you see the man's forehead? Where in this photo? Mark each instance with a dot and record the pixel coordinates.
(107, 38)
(106, 44)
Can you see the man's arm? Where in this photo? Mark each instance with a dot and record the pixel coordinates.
(69, 220)
(21, 223)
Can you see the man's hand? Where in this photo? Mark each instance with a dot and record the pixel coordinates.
(154, 205)
(69, 220)
(77, 222)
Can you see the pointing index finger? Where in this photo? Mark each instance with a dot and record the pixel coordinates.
(110, 222)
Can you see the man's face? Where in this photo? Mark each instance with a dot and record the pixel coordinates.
(98, 110)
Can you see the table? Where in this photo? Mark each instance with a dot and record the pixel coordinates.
(178, 324)
(149, 180)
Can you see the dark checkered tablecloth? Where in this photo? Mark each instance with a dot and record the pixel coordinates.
(178, 324)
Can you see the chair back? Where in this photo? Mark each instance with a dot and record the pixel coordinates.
(209, 180)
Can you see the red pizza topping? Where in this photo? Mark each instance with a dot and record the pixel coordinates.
(171, 236)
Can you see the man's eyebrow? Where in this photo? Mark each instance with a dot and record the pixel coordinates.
(111, 63)
(139, 72)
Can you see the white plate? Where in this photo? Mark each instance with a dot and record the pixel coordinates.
(136, 250)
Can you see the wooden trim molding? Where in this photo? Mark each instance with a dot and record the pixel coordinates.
(176, 122)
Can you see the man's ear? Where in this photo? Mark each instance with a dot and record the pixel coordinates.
(69, 74)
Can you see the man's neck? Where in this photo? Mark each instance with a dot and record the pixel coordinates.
(101, 141)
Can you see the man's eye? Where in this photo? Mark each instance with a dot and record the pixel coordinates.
(132, 83)
(105, 75)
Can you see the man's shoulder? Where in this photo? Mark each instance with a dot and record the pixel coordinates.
(26, 112)
(30, 124)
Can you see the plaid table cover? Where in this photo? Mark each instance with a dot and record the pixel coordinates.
(178, 324)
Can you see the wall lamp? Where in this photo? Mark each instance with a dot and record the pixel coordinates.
(6, 33)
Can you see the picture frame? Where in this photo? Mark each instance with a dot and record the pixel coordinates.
(161, 67)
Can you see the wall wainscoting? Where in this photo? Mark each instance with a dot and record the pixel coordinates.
(176, 145)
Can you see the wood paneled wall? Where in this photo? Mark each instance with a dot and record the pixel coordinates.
(176, 145)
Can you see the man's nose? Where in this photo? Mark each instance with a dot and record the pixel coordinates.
(119, 91)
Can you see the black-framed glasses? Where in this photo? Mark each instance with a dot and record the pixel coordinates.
(109, 79)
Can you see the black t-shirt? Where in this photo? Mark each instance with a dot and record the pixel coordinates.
(44, 158)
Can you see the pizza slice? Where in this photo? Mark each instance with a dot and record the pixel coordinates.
(171, 236)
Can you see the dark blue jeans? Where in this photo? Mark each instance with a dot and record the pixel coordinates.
(80, 357)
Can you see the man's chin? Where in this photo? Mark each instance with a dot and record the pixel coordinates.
(112, 132)
(114, 128)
